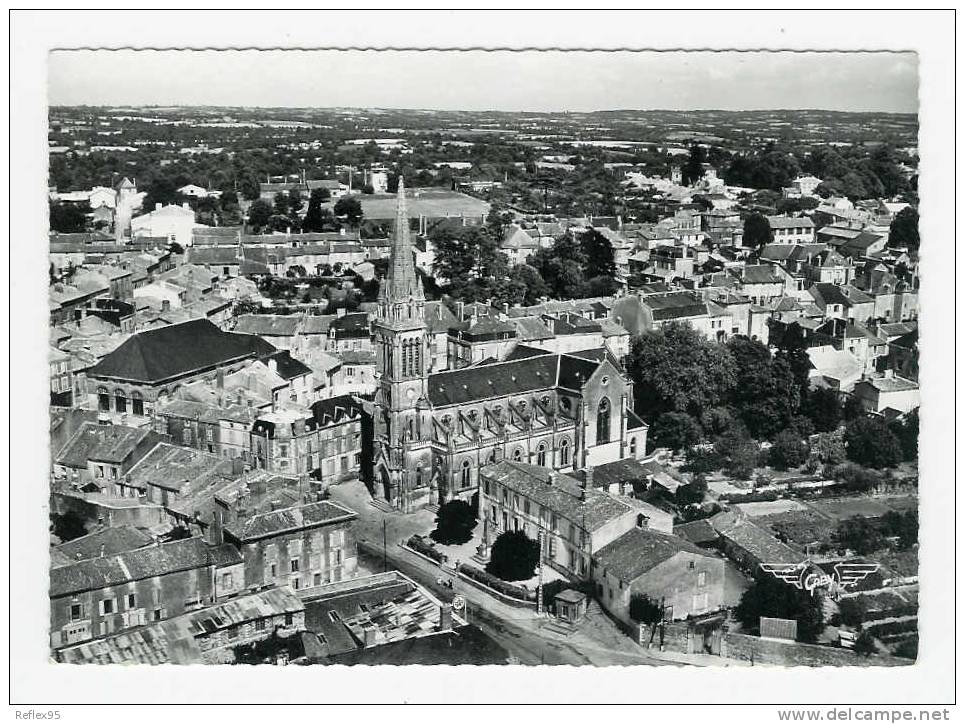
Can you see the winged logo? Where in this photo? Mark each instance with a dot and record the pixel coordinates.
(792, 573)
(851, 574)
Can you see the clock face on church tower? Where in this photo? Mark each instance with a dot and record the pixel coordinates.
(410, 393)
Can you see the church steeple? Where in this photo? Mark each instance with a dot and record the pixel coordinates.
(402, 285)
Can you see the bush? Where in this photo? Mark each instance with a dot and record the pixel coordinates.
(769, 596)
(692, 492)
(675, 430)
(417, 544)
(860, 535)
(497, 584)
(870, 442)
(856, 479)
(454, 523)
(864, 645)
(514, 556)
(738, 452)
(853, 611)
(701, 461)
(787, 451)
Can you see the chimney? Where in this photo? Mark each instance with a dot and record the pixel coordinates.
(445, 617)
(165, 305)
(340, 312)
(216, 529)
(368, 634)
(186, 205)
(459, 310)
(273, 366)
(219, 378)
(157, 206)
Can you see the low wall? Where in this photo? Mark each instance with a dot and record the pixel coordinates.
(780, 653)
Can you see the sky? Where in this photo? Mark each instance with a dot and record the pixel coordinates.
(527, 81)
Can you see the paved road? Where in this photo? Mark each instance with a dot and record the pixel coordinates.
(517, 629)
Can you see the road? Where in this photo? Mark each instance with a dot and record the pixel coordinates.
(517, 629)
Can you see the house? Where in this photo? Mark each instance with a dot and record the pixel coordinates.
(303, 546)
(103, 454)
(100, 596)
(684, 579)
(749, 545)
(866, 346)
(843, 302)
(834, 368)
(575, 519)
(206, 635)
(903, 355)
(863, 245)
(518, 245)
(152, 366)
(478, 338)
(61, 378)
(174, 222)
(878, 394)
(791, 229)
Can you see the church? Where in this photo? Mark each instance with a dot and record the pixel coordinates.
(433, 431)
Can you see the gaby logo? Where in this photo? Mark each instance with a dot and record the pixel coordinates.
(807, 577)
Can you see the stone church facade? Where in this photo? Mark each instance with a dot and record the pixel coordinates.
(432, 432)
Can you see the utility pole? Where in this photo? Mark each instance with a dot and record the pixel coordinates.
(385, 548)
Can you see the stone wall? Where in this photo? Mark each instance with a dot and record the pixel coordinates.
(781, 653)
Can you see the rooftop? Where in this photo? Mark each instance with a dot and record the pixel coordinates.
(641, 549)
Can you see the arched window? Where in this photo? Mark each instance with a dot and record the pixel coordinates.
(466, 473)
(633, 447)
(103, 399)
(518, 454)
(564, 452)
(541, 454)
(603, 422)
(137, 403)
(120, 401)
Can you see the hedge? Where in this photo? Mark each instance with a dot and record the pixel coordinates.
(417, 544)
(497, 584)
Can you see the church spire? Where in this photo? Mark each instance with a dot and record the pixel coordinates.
(402, 282)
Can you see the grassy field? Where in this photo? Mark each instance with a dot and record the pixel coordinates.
(839, 509)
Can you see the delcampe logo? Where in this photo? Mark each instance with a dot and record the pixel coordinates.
(808, 577)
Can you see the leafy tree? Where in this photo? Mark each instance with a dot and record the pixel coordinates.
(599, 255)
(675, 369)
(757, 232)
(828, 448)
(470, 259)
(644, 610)
(903, 231)
(864, 644)
(869, 441)
(787, 451)
(67, 526)
(902, 525)
(699, 460)
(674, 430)
(454, 523)
(259, 214)
(349, 207)
(67, 219)
(852, 409)
(692, 492)
(822, 406)
(853, 611)
(766, 394)
(716, 421)
(693, 169)
(314, 219)
(514, 556)
(738, 452)
(859, 534)
(772, 597)
(906, 430)
(562, 267)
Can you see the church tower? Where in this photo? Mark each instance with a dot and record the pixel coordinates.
(402, 363)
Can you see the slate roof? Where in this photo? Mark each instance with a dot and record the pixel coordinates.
(790, 222)
(103, 443)
(336, 409)
(299, 517)
(675, 305)
(759, 274)
(106, 542)
(288, 367)
(135, 565)
(176, 350)
(529, 329)
(174, 467)
(755, 540)
(268, 325)
(438, 317)
(641, 549)
(697, 532)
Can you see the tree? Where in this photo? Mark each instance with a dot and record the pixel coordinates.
(470, 260)
(828, 447)
(787, 451)
(693, 169)
(599, 255)
(853, 611)
(903, 231)
(869, 441)
(864, 644)
(692, 492)
(314, 219)
(738, 452)
(674, 430)
(757, 232)
(67, 219)
(67, 526)
(454, 523)
(822, 406)
(906, 430)
(259, 214)
(860, 535)
(675, 369)
(772, 597)
(766, 395)
(349, 207)
(644, 610)
(514, 556)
